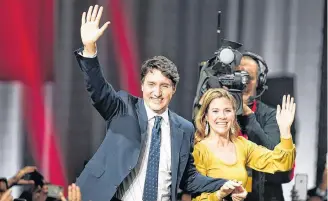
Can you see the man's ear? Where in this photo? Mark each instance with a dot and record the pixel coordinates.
(174, 89)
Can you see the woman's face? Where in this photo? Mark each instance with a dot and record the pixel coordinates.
(220, 116)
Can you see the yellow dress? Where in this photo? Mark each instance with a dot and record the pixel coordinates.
(248, 154)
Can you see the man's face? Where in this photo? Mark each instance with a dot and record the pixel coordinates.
(250, 66)
(157, 91)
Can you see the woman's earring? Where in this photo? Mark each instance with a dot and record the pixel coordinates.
(233, 130)
(207, 128)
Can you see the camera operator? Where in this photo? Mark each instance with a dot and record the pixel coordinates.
(258, 124)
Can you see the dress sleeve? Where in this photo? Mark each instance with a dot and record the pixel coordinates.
(281, 158)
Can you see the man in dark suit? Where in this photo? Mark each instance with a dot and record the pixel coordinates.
(146, 154)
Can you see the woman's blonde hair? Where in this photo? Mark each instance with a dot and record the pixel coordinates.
(200, 119)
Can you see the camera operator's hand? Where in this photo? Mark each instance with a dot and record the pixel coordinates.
(17, 179)
(247, 110)
(6, 196)
(90, 31)
(285, 116)
(74, 194)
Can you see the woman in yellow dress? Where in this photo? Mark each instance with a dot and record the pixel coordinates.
(220, 153)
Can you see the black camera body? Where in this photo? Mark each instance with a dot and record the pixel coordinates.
(220, 71)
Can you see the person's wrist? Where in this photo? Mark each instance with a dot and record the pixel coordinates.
(285, 133)
(220, 196)
(246, 110)
(89, 50)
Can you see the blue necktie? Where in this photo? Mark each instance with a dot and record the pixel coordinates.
(151, 182)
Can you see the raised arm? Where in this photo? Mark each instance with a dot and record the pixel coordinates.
(104, 97)
(283, 156)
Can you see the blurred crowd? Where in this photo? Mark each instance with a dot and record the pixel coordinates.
(35, 188)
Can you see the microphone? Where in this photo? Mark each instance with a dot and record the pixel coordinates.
(252, 98)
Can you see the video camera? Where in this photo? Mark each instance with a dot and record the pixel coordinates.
(219, 71)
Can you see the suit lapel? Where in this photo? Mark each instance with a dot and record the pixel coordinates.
(142, 118)
(176, 142)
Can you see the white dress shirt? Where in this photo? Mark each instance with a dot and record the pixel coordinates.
(132, 187)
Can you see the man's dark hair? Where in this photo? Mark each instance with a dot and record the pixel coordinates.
(163, 64)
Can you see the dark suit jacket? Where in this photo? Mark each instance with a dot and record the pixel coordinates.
(127, 128)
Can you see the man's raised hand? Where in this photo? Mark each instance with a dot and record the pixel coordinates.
(90, 31)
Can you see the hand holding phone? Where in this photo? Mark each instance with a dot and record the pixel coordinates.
(54, 191)
(301, 181)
